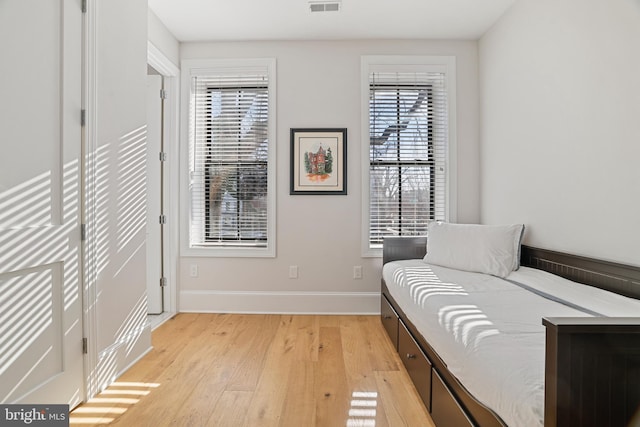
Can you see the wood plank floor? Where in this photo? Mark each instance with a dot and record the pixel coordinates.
(262, 370)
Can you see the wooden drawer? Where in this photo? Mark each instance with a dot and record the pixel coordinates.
(446, 410)
(417, 364)
(389, 320)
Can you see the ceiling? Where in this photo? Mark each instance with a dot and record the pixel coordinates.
(226, 20)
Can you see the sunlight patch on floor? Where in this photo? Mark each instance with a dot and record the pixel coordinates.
(111, 403)
(362, 412)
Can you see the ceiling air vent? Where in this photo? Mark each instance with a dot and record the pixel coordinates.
(324, 6)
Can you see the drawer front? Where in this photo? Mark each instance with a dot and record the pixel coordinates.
(446, 410)
(389, 320)
(417, 364)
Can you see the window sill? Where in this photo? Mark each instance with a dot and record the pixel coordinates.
(372, 252)
(229, 252)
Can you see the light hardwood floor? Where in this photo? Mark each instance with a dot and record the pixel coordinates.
(262, 370)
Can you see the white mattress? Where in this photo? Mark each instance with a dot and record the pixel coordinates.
(489, 331)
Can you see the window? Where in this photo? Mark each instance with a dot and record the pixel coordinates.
(408, 147)
(231, 161)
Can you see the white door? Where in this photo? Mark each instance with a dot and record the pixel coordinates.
(41, 358)
(154, 191)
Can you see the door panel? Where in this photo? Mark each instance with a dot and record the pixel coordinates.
(41, 357)
(34, 324)
(154, 188)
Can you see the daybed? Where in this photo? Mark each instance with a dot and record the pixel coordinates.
(534, 347)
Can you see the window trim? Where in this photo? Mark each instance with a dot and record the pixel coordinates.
(202, 67)
(396, 63)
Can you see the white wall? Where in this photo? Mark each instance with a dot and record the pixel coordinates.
(116, 199)
(162, 38)
(560, 125)
(318, 85)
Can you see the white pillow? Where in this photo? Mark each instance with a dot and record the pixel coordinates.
(490, 249)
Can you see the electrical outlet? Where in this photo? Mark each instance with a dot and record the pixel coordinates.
(357, 272)
(193, 270)
(293, 272)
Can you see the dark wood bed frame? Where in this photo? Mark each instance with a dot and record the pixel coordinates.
(592, 365)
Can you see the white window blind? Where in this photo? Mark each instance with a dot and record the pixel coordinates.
(408, 128)
(229, 119)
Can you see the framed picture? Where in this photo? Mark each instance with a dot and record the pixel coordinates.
(318, 161)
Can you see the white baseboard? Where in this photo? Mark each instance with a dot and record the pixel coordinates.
(280, 302)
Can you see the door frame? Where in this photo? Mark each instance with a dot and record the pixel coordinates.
(171, 133)
(89, 142)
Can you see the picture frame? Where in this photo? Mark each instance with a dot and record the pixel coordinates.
(318, 161)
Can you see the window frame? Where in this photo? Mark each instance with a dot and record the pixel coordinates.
(394, 63)
(207, 67)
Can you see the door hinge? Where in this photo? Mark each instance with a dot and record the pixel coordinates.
(163, 94)
(163, 219)
(83, 117)
(163, 156)
(85, 346)
(163, 282)
(83, 232)
(84, 6)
